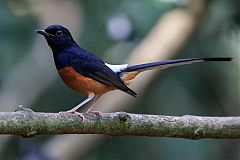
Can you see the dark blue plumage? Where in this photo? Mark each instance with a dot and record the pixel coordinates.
(67, 53)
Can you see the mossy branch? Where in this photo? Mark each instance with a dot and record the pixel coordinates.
(24, 122)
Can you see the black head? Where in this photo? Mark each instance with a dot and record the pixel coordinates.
(57, 36)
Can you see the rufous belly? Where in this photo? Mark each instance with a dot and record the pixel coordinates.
(86, 85)
(82, 84)
(127, 77)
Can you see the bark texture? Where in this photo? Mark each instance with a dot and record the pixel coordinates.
(24, 122)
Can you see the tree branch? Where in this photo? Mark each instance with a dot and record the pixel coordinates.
(26, 123)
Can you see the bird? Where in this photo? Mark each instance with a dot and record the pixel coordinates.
(87, 74)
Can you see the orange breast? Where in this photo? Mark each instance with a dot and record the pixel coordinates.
(82, 84)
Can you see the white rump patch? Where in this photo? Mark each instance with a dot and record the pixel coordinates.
(117, 68)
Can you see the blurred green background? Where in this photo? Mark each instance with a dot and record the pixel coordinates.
(111, 30)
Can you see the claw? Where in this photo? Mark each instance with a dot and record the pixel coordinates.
(95, 112)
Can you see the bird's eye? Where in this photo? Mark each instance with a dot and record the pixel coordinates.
(59, 33)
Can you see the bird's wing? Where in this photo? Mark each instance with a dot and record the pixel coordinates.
(94, 68)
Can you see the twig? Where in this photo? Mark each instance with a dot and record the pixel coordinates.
(26, 123)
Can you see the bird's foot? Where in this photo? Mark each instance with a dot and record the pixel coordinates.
(74, 112)
(95, 112)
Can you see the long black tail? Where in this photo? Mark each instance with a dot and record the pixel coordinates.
(171, 63)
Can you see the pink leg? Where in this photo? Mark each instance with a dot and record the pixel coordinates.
(90, 97)
(74, 110)
(90, 110)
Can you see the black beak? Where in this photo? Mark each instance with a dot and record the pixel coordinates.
(43, 32)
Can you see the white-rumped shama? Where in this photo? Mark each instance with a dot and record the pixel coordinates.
(85, 73)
